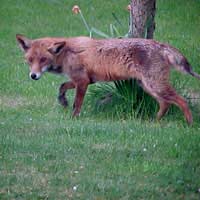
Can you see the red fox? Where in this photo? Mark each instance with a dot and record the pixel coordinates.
(86, 61)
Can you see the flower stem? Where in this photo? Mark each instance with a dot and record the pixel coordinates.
(84, 21)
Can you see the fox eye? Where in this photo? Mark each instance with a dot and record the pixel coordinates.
(43, 59)
(30, 59)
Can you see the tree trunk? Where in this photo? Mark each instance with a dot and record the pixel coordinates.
(142, 23)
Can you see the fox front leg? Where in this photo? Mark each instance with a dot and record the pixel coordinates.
(80, 93)
(62, 91)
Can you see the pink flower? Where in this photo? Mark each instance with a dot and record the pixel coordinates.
(76, 9)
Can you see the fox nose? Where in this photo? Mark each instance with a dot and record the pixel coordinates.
(34, 76)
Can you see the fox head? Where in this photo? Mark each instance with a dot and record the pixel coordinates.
(40, 54)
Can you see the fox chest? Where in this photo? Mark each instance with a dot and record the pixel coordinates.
(55, 69)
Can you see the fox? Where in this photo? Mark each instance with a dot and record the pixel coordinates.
(86, 60)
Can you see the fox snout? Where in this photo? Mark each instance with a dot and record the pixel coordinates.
(36, 75)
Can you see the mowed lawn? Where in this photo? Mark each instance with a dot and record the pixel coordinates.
(105, 154)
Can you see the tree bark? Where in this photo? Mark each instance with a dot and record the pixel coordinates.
(142, 22)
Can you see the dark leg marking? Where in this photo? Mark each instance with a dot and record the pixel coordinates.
(62, 90)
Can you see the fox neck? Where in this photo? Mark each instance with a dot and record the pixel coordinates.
(56, 69)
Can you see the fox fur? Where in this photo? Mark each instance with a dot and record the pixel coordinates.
(86, 61)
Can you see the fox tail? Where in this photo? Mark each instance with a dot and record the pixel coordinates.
(179, 62)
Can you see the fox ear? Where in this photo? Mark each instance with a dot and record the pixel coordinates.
(57, 48)
(24, 42)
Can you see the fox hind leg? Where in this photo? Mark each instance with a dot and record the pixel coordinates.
(170, 96)
(182, 104)
(166, 95)
(164, 107)
(163, 104)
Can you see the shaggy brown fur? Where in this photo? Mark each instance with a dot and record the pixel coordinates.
(87, 61)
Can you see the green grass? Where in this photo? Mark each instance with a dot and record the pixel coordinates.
(106, 153)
